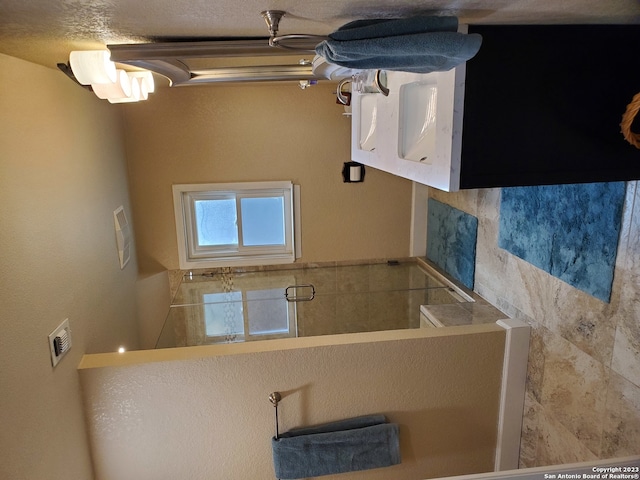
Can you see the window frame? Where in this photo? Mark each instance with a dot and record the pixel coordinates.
(192, 255)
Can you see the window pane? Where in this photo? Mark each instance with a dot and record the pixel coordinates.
(216, 222)
(268, 312)
(262, 221)
(223, 314)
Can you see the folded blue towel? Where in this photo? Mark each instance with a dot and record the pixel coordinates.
(349, 445)
(416, 44)
(385, 27)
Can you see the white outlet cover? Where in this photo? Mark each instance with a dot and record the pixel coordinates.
(64, 326)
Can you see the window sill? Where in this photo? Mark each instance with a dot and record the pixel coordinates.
(256, 260)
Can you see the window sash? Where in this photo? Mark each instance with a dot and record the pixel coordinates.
(192, 223)
(243, 243)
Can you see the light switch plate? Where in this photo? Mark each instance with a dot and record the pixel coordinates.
(60, 342)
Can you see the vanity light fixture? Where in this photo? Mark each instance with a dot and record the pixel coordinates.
(94, 69)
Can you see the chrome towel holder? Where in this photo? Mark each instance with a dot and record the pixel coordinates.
(272, 19)
(275, 398)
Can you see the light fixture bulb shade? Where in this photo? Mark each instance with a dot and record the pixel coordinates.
(121, 88)
(93, 67)
(135, 88)
(136, 94)
(144, 93)
(147, 78)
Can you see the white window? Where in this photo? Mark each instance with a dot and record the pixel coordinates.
(247, 315)
(231, 224)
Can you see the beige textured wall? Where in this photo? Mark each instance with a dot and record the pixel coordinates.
(203, 412)
(252, 133)
(62, 173)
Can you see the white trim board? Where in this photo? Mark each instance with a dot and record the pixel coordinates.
(418, 235)
(514, 376)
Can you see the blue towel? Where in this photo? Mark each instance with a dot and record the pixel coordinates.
(384, 27)
(346, 446)
(417, 44)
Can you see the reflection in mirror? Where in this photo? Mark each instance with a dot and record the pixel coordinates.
(247, 315)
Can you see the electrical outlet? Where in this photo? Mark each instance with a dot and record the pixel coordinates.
(60, 342)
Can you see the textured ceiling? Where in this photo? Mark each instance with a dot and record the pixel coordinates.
(44, 31)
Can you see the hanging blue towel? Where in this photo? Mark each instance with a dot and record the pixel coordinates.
(349, 445)
(385, 27)
(420, 44)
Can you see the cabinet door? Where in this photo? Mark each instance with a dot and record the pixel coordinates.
(543, 105)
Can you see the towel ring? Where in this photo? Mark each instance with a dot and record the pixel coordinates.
(275, 41)
(272, 18)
